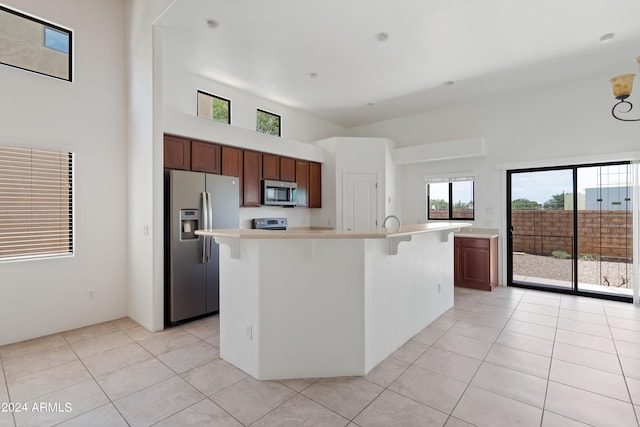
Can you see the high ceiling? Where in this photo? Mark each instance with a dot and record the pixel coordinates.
(271, 48)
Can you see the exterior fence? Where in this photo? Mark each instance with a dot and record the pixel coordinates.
(605, 235)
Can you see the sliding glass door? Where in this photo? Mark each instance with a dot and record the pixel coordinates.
(571, 229)
(542, 228)
(605, 229)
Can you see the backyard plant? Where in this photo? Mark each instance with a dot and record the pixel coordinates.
(561, 254)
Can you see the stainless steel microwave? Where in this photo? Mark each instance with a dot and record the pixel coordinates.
(278, 193)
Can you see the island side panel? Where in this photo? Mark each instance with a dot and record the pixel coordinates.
(405, 292)
(239, 310)
(311, 308)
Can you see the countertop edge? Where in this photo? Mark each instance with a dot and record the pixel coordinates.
(477, 235)
(240, 233)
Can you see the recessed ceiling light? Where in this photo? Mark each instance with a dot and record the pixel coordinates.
(607, 37)
(449, 83)
(211, 23)
(371, 104)
(312, 75)
(381, 37)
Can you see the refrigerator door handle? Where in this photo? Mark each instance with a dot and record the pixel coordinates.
(205, 220)
(209, 227)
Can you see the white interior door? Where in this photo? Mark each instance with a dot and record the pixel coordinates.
(360, 201)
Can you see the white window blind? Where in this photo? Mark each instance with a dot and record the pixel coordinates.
(36, 203)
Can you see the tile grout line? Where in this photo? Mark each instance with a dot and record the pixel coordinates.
(624, 376)
(179, 375)
(153, 356)
(450, 415)
(483, 361)
(553, 347)
(6, 387)
(96, 381)
(449, 329)
(79, 359)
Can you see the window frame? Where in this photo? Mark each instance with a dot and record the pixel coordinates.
(260, 110)
(450, 182)
(227, 100)
(52, 26)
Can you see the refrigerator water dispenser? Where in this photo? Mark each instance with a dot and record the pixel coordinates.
(189, 223)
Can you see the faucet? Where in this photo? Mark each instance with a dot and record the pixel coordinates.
(384, 223)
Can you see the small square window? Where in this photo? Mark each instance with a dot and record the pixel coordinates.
(450, 199)
(214, 107)
(268, 123)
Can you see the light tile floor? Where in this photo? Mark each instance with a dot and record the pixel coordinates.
(510, 357)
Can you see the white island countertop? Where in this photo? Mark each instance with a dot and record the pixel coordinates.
(380, 233)
(309, 303)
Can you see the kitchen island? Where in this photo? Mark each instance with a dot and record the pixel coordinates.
(325, 303)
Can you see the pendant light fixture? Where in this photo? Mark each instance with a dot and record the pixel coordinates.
(622, 86)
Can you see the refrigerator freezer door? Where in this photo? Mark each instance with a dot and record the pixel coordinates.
(186, 279)
(225, 201)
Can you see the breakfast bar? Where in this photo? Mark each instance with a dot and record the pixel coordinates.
(325, 303)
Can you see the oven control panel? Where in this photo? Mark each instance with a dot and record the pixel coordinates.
(270, 223)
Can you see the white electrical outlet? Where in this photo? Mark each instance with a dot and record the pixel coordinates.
(91, 295)
(250, 333)
(439, 287)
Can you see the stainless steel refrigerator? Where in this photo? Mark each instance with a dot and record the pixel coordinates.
(193, 201)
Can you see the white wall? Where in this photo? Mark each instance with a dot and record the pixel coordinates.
(144, 133)
(180, 88)
(359, 155)
(567, 123)
(298, 128)
(86, 117)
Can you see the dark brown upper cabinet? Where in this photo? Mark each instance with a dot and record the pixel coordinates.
(315, 185)
(231, 161)
(287, 169)
(232, 166)
(252, 168)
(177, 153)
(205, 157)
(302, 180)
(270, 166)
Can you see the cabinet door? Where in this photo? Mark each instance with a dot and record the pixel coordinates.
(287, 169)
(302, 180)
(231, 161)
(205, 157)
(177, 153)
(232, 166)
(315, 185)
(252, 168)
(475, 265)
(270, 166)
(472, 263)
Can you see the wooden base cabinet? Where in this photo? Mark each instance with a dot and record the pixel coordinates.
(476, 262)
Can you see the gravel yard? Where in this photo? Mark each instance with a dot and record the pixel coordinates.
(591, 272)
